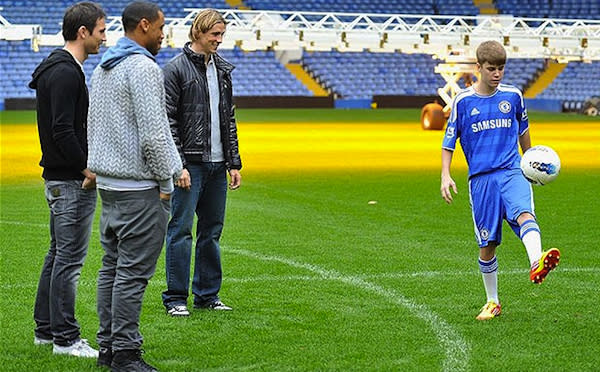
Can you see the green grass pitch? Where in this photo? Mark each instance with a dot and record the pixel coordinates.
(320, 280)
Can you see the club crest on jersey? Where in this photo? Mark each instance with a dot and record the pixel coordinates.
(485, 234)
(504, 107)
(450, 132)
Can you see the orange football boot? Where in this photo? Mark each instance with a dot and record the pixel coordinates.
(547, 263)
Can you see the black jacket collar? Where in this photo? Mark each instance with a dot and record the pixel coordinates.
(198, 59)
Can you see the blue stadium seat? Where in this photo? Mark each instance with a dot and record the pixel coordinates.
(261, 72)
(577, 82)
(550, 8)
(347, 6)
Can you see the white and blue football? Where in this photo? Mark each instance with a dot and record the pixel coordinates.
(540, 165)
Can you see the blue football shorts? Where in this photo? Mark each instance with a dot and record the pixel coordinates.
(503, 194)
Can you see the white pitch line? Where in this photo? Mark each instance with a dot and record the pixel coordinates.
(455, 347)
(275, 278)
(20, 223)
(89, 283)
(433, 274)
(367, 276)
(297, 278)
(400, 275)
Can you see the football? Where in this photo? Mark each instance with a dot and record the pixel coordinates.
(540, 165)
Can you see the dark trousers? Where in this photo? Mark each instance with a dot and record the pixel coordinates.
(132, 231)
(71, 217)
(206, 198)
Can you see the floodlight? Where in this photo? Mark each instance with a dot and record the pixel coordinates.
(253, 45)
(361, 39)
(440, 44)
(436, 39)
(562, 42)
(319, 40)
(56, 39)
(475, 40)
(277, 35)
(239, 34)
(228, 43)
(592, 49)
(401, 41)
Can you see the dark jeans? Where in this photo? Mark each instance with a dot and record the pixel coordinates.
(132, 231)
(206, 198)
(71, 216)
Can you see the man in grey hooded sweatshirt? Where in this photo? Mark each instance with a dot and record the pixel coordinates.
(133, 154)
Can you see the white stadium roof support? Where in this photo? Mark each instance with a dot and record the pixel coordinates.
(9, 31)
(443, 36)
(450, 38)
(452, 72)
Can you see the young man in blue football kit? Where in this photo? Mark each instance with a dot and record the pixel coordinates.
(490, 119)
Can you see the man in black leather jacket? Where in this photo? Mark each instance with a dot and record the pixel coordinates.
(201, 114)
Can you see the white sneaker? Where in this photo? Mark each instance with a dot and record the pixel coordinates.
(80, 348)
(41, 341)
(215, 305)
(178, 310)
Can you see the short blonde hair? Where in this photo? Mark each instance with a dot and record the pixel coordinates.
(204, 21)
(492, 52)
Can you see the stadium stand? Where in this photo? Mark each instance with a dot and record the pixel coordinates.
(522, 72)
(578, 82)
(455, 7)
(17, 62)
(362, 75)
(256, 74)
(349, 75)
(49, 13)
(347, 6)
(550, 8)
(260, 74)
(443, 7)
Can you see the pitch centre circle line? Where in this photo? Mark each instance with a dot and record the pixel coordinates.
(456, 348)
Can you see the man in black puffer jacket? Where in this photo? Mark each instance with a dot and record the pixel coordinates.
(201, 114)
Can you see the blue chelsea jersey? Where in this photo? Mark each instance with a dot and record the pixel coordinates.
(489, 128)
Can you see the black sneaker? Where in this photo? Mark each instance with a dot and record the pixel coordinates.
(105, 357)
(130, 361)
(178, 310)
(215, 305)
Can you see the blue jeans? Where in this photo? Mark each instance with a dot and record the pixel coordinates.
(71, 216)
(206, 198)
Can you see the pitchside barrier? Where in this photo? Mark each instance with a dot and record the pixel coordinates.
(377, 101)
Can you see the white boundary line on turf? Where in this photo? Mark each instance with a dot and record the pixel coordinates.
(399, 275)
(455, 347)
(294, 278)
(426, 274)
(20, 223)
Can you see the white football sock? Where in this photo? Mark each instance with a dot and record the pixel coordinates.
(531, 238)
(489, 273)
